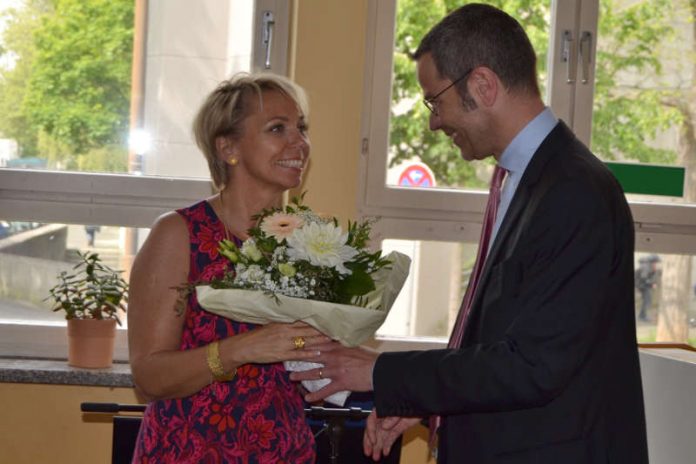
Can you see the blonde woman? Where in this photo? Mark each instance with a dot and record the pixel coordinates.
(218, 389)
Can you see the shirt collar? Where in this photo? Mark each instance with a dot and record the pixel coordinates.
(517, 155)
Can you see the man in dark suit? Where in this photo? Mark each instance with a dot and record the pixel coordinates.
(547, 368)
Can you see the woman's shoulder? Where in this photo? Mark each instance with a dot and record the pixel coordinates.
(165, 248)
(198, 212)
(169, 226)
(177, 225)
(199, 206)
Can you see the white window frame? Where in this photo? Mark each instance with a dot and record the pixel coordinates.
(81, 198)
(109, 199)
(456, 215)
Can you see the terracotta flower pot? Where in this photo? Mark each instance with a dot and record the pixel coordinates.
(91, 342)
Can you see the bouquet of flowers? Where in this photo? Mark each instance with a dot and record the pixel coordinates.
(297, 265)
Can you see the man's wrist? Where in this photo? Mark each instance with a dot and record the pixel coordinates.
(372, 374)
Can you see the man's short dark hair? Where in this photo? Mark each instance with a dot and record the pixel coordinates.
(482, 35)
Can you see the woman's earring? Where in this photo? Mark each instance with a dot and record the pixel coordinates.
(232, 161)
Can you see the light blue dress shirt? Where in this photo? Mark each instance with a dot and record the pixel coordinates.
(517, 156)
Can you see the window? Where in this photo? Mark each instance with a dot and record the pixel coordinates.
(51, 192)
(613, 70)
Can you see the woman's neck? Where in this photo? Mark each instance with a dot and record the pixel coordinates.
(237, 207)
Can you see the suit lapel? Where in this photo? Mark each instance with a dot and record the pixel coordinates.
(509, 232)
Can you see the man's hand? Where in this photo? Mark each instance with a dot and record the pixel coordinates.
(380, 434)
(348, 369)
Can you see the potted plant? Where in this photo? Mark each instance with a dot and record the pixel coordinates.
(91, 297)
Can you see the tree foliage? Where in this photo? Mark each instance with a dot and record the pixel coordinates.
(626, 118)
(17, 51)
(629, 106)
(70, 88)
(410, 137)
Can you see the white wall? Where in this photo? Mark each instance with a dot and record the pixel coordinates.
(669, 384)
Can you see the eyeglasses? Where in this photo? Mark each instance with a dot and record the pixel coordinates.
(430, 102)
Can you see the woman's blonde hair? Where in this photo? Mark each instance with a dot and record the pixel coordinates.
(224, 110)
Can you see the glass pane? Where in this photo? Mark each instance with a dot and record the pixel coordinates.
(65, 84)
(665, 298)
(67, 75)
(644, 85)
(421, 158)
(428, 304)
(33, 254)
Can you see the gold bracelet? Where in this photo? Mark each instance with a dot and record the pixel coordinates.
(215, 364)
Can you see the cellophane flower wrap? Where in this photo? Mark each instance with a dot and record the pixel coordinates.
(299, 266)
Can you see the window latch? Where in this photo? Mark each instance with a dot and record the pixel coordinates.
(567, 56)
(585, 55)
(268, 23)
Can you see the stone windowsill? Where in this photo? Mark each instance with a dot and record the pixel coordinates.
(52, 371)
(56, 371)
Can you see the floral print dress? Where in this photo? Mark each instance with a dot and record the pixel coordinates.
(257, 417)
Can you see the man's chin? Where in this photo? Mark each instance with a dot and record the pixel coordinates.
(466, 155)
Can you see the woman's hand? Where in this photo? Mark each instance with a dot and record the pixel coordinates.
(273, 343)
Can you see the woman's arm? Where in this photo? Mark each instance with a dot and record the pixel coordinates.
(160, 369)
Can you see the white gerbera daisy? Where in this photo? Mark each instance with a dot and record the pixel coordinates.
(322, 244)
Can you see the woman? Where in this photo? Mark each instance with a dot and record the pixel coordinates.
(218, 390)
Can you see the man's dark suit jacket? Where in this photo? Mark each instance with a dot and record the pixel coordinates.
(548, 370)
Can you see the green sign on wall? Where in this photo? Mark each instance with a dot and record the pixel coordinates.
(649, 179)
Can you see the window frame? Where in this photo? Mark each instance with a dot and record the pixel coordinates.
(125, 200)
(456, 215)
(451, 214)
(83, 198)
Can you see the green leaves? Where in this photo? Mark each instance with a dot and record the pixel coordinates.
(635, 97)
(410, 138)
(69, 92)
(79, 90)
(93, 291)
(358, 283)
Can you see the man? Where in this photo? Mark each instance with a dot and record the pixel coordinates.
(547, 368)
(646, 281)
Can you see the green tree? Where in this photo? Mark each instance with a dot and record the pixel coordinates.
(644, 85)
(410, 137)
(75, 92)
(629, 109)
(673, 319)
(619, 111)
(18, 50)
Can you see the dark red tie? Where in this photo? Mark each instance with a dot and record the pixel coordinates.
(484, 243)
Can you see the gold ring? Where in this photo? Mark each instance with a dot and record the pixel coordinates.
(321, 374)
(299, 342)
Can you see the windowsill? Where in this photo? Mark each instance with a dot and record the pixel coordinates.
(675, 354)
(58, 372)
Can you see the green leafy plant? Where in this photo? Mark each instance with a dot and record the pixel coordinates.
(92, 291)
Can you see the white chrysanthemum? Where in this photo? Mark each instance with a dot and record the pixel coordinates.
(322, 244)
(253, 274)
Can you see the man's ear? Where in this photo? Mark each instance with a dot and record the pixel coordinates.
(484, 85)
